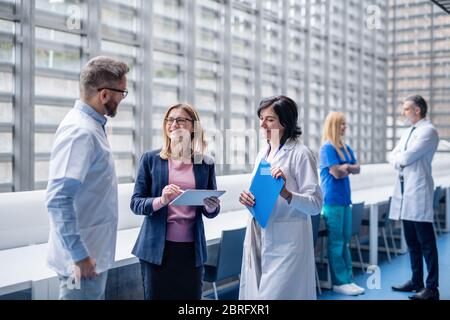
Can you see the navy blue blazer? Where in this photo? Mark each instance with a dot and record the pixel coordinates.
(151, 178)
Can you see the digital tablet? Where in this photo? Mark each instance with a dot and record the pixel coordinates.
(195, 197)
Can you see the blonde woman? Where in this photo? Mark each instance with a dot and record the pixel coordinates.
(171, 245)
(337, 162)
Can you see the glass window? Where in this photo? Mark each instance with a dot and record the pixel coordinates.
(50, 115)
(58, 56)
(124, 13)
(273, 8)
(60, 8)
(120, 40)
(242, 71)
(207, 75)
(169, 61)
(6, 112)
(272, 45)
(7, 51)
(168, 8)
(209, 66)
(6, 174)
(296, 63)
(331, 79)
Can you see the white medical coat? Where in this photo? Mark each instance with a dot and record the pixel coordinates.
(416, 203)
(287, 253)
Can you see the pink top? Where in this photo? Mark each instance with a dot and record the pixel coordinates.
(180, 219)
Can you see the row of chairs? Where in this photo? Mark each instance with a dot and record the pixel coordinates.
(229, 258)
(357, 216)
(438, 202)
(230, 249)
(385, 226)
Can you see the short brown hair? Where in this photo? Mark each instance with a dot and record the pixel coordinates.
(101, 71)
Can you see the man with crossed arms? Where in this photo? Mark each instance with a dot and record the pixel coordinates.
(412, 201)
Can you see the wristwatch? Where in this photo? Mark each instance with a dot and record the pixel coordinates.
(289, 197)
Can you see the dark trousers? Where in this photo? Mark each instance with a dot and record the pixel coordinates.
(177, 278)
(422, 244)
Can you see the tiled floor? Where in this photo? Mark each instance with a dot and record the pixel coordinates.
(395, 272)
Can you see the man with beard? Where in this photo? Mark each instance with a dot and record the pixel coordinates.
(412, 201)
(81, 196)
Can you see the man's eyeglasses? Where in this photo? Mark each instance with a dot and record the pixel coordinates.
(124, 92)
(180, 121)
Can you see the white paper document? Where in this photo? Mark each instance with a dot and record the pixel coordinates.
(195, 197)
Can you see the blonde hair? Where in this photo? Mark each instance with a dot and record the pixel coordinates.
(198, 143)
(332, 132)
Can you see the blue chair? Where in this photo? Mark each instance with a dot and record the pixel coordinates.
(436, 208)
(442, 205)
(357, 214)
(385, 224)
(229, 258)
(317, 233)
(315, 222)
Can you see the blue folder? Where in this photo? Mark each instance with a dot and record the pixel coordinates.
(266, 189)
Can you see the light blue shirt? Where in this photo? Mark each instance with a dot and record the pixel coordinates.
(81, 196)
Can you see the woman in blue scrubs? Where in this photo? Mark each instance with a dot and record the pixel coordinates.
(337, 162)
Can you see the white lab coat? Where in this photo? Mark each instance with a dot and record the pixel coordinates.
(287, 253)
(416, 204)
